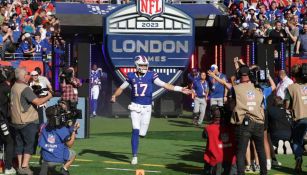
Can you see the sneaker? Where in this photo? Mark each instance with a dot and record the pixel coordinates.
(288, 148)
(268, 164)
(256, 168)
(276, 163)
(10, 171)
(26, 171)
(280, 148)
(134, 161)
(64, 172)
(248, 168)
(298, 165)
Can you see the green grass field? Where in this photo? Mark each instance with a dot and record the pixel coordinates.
(172, 146)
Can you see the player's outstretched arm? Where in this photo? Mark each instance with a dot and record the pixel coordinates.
(170, 87)
(119, 91)
(184, 90)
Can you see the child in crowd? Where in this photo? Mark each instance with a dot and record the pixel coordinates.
(220, 149)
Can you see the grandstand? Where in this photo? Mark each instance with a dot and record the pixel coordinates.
(76, 33)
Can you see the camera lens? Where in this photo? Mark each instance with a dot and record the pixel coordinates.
(4, 129)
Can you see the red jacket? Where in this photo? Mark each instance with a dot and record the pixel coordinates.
(220, 144)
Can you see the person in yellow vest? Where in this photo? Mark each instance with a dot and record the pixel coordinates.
(296, 100)
(24, 119)
(248, 117)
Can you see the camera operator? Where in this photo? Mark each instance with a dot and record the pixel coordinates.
(69, 85)
(57, 137)
(6, 80)
(248, 116)
(40, 89)
(296, 100)
(24, 119)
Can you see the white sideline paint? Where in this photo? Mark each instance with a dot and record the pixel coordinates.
(36, 163)
(122, 169)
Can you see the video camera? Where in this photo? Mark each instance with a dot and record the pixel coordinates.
(62, 114)
(7, 73)
(39, 91)
(66, 75)
(258, 75)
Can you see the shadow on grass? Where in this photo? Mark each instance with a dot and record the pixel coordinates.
(161, 135)
(181, 123)
(286, 170)
(112, 155)
(56, 171)
(194, 153)
(185, 168)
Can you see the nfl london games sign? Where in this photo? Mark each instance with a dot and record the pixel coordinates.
(161, 32)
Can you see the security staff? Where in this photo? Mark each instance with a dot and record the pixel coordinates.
(296, 100)
(248, 116)
(200, 90)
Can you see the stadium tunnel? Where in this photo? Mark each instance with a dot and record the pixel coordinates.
(82, 27)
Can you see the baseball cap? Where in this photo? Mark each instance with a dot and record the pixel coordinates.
(33, 73)
(245, 25)
(251, 8)
(27, 35)
(29, 19)
(213, 67)
(49, 13)
(244, 70)
(48, 34)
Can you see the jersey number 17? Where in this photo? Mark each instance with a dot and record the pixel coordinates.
(140, 87)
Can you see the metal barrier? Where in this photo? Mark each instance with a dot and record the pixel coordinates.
(24, 56)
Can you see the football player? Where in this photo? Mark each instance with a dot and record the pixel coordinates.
(142, 83)
(96, 75)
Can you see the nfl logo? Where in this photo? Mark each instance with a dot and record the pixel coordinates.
(51, 138)
(250, 95)
(304, 90)
(150, 8)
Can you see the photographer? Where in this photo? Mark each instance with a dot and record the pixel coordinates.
(6, 80)
(56, 139)
(40, 89)
(248, 116)
(296, 100)
(24, 119)
(69, 85)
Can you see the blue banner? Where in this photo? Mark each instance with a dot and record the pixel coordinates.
(193, 10)
(161, 32)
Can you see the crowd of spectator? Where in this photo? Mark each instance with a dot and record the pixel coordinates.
(279, 20)
(27, 28)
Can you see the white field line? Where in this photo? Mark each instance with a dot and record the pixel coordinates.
(124, 169)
